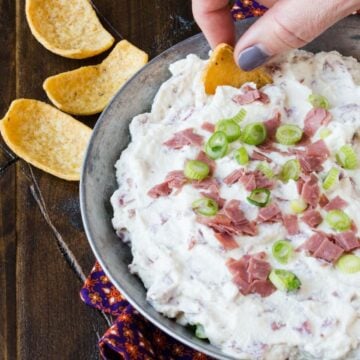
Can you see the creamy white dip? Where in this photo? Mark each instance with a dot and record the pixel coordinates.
(180, 261)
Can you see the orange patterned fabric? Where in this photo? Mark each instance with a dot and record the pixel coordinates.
(247, 8)
(131, 336)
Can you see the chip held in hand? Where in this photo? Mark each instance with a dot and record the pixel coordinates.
(222, 70)
(87, 90)
(46, 138)
(67, 28)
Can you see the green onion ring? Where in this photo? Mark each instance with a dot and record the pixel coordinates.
(200, 332)
(288, 134)
(240, 116)
(217, 145)
(298, 206)
(346, 157)
(241, 156)
(259, 197)
(254, 133)
(282, 251)
(331, 178)
(348, 264)
(338, 220)
(284, 280)
(205, 206)
(230, 128)
(196, 170)
(290, 171)
(318, 101)
(266, 170)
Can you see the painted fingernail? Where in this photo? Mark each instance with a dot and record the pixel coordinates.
(252, 57)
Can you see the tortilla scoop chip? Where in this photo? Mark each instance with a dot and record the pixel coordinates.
(45, 137)
(68, 28)
(89, 89)
(222, 70)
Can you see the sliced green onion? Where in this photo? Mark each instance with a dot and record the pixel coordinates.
(196, 170)
(200, 332)
(338, 220)
(324, 133)
(254, 133)
(288, 134)
(298, 206)
(217, 145)
(259, 197)
(282, 251)
(205, 206)
(230, 128)
(290, 171)
(284, 280)
(348, 264)
(318, 101)
(241, 156)
(346, 157)
(266, 170)
(240, 116)
(331, 178)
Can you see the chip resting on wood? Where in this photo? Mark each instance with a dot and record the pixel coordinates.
(89, 89)
(46, 137)
(67, 28)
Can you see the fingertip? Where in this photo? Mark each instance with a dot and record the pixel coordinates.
(215, 20)
(251, 57)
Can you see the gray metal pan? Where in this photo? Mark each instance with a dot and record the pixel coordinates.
(111, 136)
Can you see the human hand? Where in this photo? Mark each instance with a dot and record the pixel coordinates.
(288, 24)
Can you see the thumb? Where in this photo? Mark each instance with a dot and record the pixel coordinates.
(289, 24)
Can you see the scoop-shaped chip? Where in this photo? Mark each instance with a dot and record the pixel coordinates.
(67, 28)
(222, 70)
(45, 137)
(89, 89)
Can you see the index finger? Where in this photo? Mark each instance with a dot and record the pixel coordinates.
(214, 19)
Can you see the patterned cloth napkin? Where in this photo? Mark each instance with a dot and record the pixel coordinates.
(247, 8)
(131, 337)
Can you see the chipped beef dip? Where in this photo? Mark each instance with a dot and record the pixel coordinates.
(212, 263)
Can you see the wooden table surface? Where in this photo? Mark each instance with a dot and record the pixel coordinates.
(41, 314)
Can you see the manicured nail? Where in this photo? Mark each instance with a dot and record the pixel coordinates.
(252, 57)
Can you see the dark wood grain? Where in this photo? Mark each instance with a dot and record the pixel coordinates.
(52, 322)
(41, 234)
(7, 190)
(153, 25)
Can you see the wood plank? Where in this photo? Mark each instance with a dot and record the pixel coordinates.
(7, 190)
(7, 262)
(52, 321)
(51, 318)
(154, 25)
